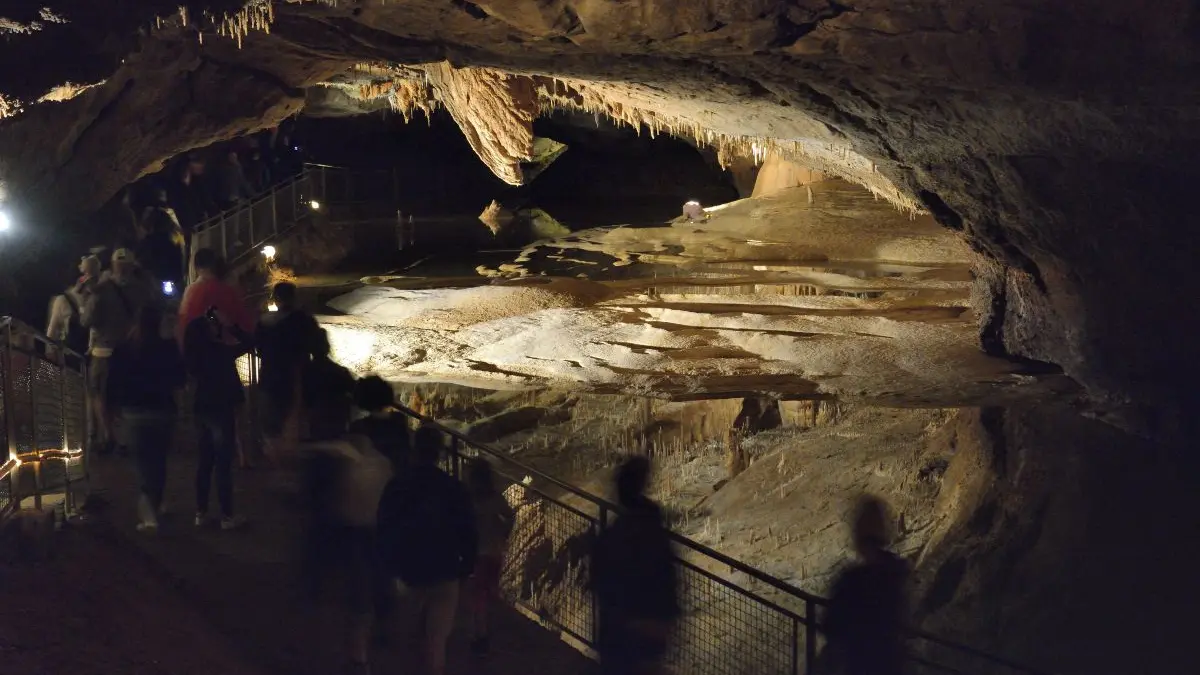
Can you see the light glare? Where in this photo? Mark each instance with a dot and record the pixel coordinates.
(316, 205)
(268, 252)
(5, 222)
(272, 307)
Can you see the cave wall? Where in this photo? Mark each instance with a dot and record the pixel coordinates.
(1063, 543)
(1060, 140)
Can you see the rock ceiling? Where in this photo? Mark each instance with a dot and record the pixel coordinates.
(1060, 138)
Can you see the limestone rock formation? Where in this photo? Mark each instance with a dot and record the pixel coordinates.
(1058, 139)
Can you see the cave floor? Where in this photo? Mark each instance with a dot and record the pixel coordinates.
(814, 293)
(201, 602)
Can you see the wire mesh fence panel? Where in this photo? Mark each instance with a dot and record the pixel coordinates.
(724, 631)
(47, 404)
(21, 407)
(545, 570)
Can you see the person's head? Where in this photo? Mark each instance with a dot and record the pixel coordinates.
(870, 527)
(632, 478)
(90, 266)
(148, 325)
(481, 477)
(123, 263)
(232, 156)
(284, 295)
(427, 446)
(373, 394)
(158, 197)
(209, 264)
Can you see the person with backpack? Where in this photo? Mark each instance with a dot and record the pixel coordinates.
(146, 372)
(110, 313)
(428, 540)
(212, 345)
(634, 580)
(67, 307)
(495, 518)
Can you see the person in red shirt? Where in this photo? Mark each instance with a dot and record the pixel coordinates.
(211, 290)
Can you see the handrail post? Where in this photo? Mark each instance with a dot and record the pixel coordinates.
(810, 636)
(225, 237)
(250, 215)
(455, 461)
(274, 211)
(796, 650)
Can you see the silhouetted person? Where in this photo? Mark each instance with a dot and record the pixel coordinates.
(258, 171)
(232, 186)
(344, 536)
(284, 339)
(66, 309)
(428, 540)
(867, 608)
(212, 290)
(187, 195)
(110, 312)
(146, 372)
(328, 392)
(495, 519)
(160, 250)
(634, 580)
(384, 424)
(211, 346)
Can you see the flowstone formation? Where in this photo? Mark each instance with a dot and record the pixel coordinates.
(1059, 141)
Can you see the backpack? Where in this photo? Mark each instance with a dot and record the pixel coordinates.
(419, 529)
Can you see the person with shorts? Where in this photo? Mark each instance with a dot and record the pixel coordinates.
(494, 517)
(110, 313)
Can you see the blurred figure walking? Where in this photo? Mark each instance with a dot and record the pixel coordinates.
(284, 339)
(146, 372)
(67, 308)
(357, 475)
(212, 290)
(328, 392)
(384, 424)
(634, 580)
(429, 541)
(867, 607)
(110, 313)
(495, 518)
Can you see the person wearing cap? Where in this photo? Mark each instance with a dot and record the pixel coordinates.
(110, 312)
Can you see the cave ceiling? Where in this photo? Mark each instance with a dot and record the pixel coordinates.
(1059, 138)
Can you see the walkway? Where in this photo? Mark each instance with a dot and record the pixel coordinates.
(228, 602)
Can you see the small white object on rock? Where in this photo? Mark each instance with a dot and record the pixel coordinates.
(693, 211)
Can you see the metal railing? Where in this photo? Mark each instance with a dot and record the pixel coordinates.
(728, 627)
(44, 419)
(334, 194)
(242, 230)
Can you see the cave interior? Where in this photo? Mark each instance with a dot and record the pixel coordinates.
(949, 243)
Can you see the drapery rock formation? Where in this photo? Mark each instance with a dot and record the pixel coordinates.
(1060, 140)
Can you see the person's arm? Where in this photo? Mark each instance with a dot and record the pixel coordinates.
(91, 314)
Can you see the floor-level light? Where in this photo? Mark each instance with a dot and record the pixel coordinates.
(268, 252)
(272, 307)
(316, 205)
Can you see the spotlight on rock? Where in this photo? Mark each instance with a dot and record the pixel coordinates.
(268, 252)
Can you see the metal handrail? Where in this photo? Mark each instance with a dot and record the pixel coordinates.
(809, 600)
